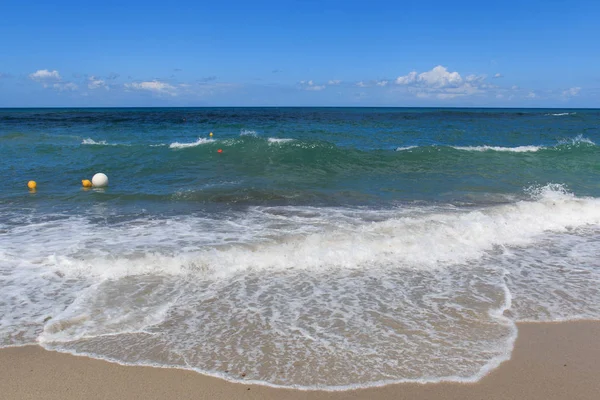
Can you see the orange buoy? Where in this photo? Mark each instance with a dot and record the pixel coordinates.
(219, 151)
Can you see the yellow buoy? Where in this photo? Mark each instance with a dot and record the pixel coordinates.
(210, 134)
(86, 183)
(31, 185)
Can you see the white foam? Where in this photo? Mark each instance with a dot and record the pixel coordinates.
(577, 140)
(307, 297)
(93, 142)
(319, 238)
(200, 141)
(561, 114)
(247, 132)
(279, 140)
(517, 149)
(406, 148)
(327, 329)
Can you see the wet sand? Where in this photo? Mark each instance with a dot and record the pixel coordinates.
(550, 361)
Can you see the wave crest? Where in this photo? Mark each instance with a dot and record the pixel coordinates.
(518, 149)
(89, 141)
(200, 141)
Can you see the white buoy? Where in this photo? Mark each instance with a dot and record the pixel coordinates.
(100, 180)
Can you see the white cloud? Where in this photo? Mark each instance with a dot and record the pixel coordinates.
(574, 91)
(43, 75)
(53, 80)
(94, 83)
(382, 83)
(362, 84)
(441, 83)
(531, 95)
(498, 75)
(407, 79)
(154, 86)
(440, 77)
(334, 82)
(312, 86)
(514, 87)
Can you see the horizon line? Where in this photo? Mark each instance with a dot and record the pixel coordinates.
(398, 107)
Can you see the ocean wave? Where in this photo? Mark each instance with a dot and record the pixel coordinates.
(561, 114)
(517, 149)
(482, 148)
(89, 141)
(415, 276)
(415, 237)
(280, 140)
(406, 148)
(200, 141)
(577, 140)
(247, 132)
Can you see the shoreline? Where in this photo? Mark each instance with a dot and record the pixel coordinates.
(555, 360)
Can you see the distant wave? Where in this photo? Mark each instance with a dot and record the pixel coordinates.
(92, 141)
(406, 148)
(518, 149)
(561, 114)
(247, 132)
(100, 143)
(579, 140)
(279, 140)
(177, 145)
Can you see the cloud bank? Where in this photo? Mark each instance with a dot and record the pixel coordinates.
(439, 85)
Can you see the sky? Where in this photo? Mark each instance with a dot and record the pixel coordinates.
(429, 53)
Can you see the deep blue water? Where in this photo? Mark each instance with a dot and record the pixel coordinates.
(335, 155)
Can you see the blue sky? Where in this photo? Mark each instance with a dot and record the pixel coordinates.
(288, 53)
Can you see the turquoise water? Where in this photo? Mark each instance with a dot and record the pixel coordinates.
(324, 247)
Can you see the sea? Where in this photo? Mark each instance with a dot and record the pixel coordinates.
(321, 248)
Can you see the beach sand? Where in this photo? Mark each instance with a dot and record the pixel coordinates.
(550, 361)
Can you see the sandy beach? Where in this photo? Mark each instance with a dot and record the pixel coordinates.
(550, 361)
